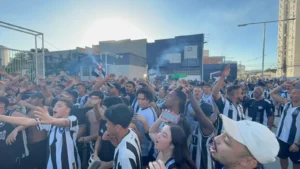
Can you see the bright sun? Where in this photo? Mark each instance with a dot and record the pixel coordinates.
(112, 29)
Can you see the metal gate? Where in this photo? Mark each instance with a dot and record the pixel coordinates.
(22, 62)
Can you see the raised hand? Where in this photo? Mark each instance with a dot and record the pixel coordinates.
(110, 77)
(22, 103)
(157, 165)
(226, 71)
(23, 89)
(43, 115)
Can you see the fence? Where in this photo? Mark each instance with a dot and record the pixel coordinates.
(22, 62)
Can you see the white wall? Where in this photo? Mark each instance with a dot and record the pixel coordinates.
(124, 70)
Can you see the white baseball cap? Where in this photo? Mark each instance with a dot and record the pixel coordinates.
(260, 141)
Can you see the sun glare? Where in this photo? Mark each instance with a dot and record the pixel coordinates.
(112, 29)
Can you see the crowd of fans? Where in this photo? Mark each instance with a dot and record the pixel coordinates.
(113, 122)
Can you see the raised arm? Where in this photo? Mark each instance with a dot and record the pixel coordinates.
(205, 122)
(104, 81)
(22, 121)
(45, 118)
(216, 89)
(274, 93)
(154, 129)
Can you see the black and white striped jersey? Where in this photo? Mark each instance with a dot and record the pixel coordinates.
(199, 149)
(227, 108)
(128, 153)
(288, 129)
(135, 105)
(63, 153)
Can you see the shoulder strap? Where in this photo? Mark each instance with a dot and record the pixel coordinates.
(169, 163)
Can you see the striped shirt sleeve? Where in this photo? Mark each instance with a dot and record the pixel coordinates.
(41, 127)
(73, 123)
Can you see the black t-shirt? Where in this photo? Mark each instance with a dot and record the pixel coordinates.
(107, 149)
(123, 91)
(132, 97)
(80, 114)
(259, 110)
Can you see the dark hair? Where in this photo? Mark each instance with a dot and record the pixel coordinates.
(132, 83)
(112, 100)
(232, 89)
(182, 100)
(119, 114)
(98, 94)
(180, 151)
(81, 84)
(61, 86)
(165, 88)
(143, 84)
(5, 101)
(67, 102)
(147, 93)
(73, 94)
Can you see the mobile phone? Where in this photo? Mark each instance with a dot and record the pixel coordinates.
(170, 117)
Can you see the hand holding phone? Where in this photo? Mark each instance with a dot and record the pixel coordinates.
(168, 116)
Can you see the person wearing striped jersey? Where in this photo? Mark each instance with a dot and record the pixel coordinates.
(62, 128)
(203, 134)
(128, 151)
(288, 131)
(230, 106)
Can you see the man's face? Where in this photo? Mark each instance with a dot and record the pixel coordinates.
(31, 86)
(207, 89)
(58, 90)
(60, 110)
(129, 88)
(112, 91)
(12, 100)
(111, 128)
(162, 93)
(295, 95)
(227, 151)
(143, 101)
(257, 93)
(239, 94)
(94, 99)
(81, 89)
(197, 92)
(170, 99)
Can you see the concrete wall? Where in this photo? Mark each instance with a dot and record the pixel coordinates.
(128, 70)
(137, 47)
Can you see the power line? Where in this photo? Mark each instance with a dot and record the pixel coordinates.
(49, 43)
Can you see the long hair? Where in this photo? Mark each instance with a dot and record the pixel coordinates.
(180, 151)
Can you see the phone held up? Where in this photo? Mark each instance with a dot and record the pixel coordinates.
(170, 117)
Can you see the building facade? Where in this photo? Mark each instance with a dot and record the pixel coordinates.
(125, 57)
(179, 55)
(288, 59)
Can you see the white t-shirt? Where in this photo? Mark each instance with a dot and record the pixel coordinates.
(128, 152)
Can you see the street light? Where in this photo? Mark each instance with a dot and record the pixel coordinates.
(264, 37)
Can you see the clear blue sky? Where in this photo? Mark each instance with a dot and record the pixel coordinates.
(67, 24)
